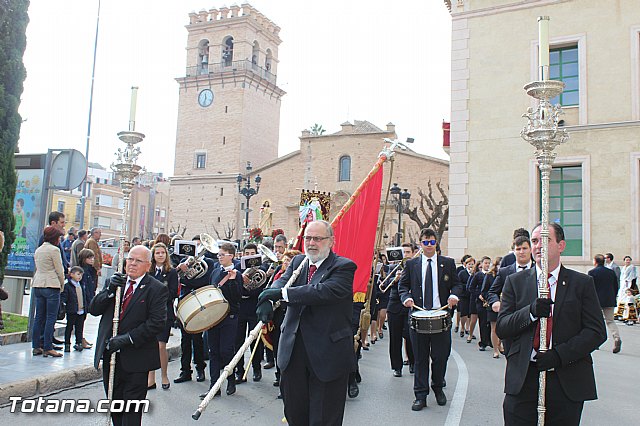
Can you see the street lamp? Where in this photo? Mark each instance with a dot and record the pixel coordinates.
(247, 191)
(401, 199)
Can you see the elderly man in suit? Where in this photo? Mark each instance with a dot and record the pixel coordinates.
(606, 284)
(429, 281)
(575, 328)
(143, 313)
(315, 352)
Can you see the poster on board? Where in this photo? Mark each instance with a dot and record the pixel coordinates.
(27, 213)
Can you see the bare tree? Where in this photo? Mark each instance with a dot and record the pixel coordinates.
(429, 212)
(227, 232)
(178, 231)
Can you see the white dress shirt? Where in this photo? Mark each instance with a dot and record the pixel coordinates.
(553, 280)
(434, 277)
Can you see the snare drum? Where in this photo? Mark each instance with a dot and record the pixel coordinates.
(202, 309)
(430, 322)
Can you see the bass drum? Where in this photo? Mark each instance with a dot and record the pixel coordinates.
(430, 322)
(202, 309)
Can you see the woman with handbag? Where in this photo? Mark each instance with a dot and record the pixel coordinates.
(47, 284)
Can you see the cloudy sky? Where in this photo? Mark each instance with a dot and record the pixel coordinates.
(372, 60)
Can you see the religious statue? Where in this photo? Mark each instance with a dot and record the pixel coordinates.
(311, 211)
(266, 217)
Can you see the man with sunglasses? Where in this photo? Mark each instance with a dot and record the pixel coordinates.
(429, 282)
(315, 352)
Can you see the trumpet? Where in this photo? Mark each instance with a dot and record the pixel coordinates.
(395, 273)
(196, 266)
(256, 276)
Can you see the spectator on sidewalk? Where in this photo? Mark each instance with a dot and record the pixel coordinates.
(92, 244)
(47, 284)
(74, 297)
(606, 284)
(78, 245)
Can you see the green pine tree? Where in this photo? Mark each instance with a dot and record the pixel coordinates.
(13, 25)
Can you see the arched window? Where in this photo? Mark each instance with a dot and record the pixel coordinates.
(255, 54)
(227, 51)
(203, 57)
(344, 173)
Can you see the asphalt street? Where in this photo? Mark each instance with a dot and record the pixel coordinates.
(474, 392)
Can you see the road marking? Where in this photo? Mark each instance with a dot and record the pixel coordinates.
(460, 395)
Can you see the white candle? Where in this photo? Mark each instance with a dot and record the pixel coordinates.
(543, 47)
(132, 110)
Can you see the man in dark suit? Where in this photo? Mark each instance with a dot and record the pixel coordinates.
(576, 328)
(523, 261)
(429, 281)
(143, 313)
(606, 284)
(510, 258)
(315, 352)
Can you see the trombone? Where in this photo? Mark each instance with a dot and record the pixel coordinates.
(395, 273)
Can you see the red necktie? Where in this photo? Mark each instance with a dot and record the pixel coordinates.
(127, 297)
(536, 336)
(312, 270)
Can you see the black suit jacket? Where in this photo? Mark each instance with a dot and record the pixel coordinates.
(606, 284)
(498, 283)
(170, 280)
(578, 329)
(320, 312)
(410, 284)
(144, 319)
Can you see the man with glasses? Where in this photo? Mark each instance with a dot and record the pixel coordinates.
(315, 352)
(221, 338)
(429, 282)
(143, 313)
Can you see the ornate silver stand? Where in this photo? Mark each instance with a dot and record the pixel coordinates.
(542, 132)
(126, 171)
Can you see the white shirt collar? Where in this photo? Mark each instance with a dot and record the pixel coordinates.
(554, 273)
(434, 258)
(136, 281)
(318, 263)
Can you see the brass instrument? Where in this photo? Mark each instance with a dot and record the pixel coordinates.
(256, 276)
(196, 265)
(395, 273)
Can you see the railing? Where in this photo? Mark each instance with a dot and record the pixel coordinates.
(227, 67)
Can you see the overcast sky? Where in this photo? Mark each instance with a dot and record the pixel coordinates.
(350, 60)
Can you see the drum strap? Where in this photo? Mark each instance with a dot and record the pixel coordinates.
(222, 281)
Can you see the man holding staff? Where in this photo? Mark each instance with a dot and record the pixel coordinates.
(143, 313)
(315, 353)
(575, 328)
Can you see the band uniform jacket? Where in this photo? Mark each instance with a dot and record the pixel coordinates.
(321, 312)
(410, 284)
(498, 283)
(144, 318)
(578, 329)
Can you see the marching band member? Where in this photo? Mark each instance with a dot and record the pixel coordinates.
(478, 312)
(221, 338)
(429, 282)
(195, 340)
(463, 305)
(489, 315)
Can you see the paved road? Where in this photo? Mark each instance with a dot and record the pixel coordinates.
(383, 398)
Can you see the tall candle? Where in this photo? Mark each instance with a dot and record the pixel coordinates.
(132, 110)
(543, 47)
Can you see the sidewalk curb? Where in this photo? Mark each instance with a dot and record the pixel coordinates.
(49, 383)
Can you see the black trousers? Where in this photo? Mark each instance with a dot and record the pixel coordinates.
(74, 322)
(278, 319)
(186, 342)
(521, 409)
(436, 347)
(308, 401)
(221, 343)
(245, 320)
(398, 330)
(483, 325)
(126, 386)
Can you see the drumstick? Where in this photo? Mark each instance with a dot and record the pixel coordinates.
(253, 353)
(423, 309)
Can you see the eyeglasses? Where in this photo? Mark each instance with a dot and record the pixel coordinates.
(221, 255)
(315, 239)
(429, 242)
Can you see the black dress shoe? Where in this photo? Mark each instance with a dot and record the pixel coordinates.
(153, 386)
(354, 391)
(183, 378)
(257, 375)
(418, 404)
(166, 386)
(204, 395)
(231, 386)
(482, 348)
(269, 365)
(279, 396)
(411, 368)
(441, 398)
(239, 379)
(57, 341)
(397, 373)
(276, 382)
(56, 347)
(200, 376)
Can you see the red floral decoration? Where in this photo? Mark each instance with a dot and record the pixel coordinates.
(255, 234)
(276, 232)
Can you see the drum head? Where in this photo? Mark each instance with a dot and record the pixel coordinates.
(203, 320)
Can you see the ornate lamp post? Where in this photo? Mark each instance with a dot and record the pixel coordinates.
(247, 192)
(543, 133)
(126, 171)
(401, 199)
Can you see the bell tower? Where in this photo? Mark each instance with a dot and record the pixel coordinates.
(228, 114)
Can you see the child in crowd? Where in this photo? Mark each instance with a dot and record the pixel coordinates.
(75, 299)
(630, 313)
(86, 258)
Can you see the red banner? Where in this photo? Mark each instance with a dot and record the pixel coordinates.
(355, 229)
